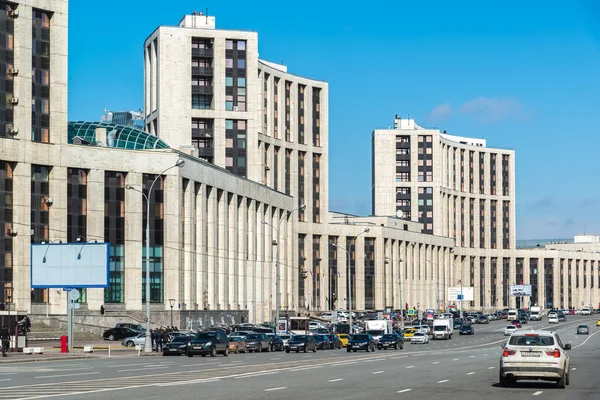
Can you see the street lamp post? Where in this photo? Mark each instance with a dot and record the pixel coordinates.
(277, 264)
(171, 303)
(148, 341)
(349, 280)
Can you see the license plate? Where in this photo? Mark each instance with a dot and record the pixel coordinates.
(385, 345)
(197, 348)
(530, 354)
(356, 347)
(172, 349)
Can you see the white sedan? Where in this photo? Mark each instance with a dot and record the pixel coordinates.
(509, 330)
(134, 340)
(419, 337)
(553, 319)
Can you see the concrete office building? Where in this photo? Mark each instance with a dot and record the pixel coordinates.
(458, 188)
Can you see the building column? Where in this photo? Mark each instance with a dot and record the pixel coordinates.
(212, 251)
(134, 231)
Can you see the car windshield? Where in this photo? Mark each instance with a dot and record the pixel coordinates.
(300, 337)
(511, 327)
(392, 337)
(531, 340)
(582, 326)
(419, 334)
(360, 337)
(204, 336)
(182, 338)
(253, 336)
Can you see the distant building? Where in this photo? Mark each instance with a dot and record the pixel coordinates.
(125, 118)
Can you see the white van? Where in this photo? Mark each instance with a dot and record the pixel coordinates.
(512, 315)
(586, 311)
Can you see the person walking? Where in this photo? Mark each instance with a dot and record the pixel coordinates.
(5, 338)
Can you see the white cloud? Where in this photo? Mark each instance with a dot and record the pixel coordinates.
(490, 110)
(440, 112)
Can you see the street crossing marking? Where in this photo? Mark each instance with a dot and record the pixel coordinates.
(538, 393)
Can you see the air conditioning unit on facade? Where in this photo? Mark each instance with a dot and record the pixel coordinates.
(14, 100)
(14, 13)
(235, 108)
(14, 131)
(13, 71)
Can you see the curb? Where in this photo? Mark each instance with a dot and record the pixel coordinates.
(29, 360)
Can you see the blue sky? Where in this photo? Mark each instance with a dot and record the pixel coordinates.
(523, 75)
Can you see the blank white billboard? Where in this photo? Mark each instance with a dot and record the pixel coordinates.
(455, 292)
(69, 265)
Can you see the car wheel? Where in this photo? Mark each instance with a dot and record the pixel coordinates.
(269, 348)
(297, 350)
(315, 349)
(213, 352)
(287, 351)
(190, 354)
(561, 384)
(504, 382)
(203, 355)
(568, 379)
(111, 337)
(354, 351)
(259, 348)
(236, 350)
(226, 352)
(348, 350)
(129, 343)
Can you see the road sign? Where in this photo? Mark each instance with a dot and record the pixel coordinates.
(74, 306)
(74, 295)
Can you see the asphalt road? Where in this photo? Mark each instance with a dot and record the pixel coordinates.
(465, 367)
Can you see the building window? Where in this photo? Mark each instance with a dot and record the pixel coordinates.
(493, 223)
(77, 211)
(7, 31)
(493, 174)
(482, 224)
(548, 282)
(301, 89)
(316, 120)
(351, 247)
(505, 176)
(156, 238)
(301, 194)
(316, 188)
(425, 207)
(6, 225)
(40, 215)
(288, 91)
(114, 234)
(333, 273)
(316, 272)
(236, 148)
(40, 64)
(506, 224)
(302, 272)
(369, 273)
(494, 283)
(276, 108)
(288, 171)
(533, 270)
(201, 102)
(235, 68)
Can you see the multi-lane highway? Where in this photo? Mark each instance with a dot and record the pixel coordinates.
(465, 367)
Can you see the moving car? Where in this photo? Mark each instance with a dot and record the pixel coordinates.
(323, 342)
(420, 337)
(516, 323)
(344, 338)
(466, 330)
(302, 342)
(361, 341)
(562, 317)
(408, 333)
(509, 330)
(389, 341)
(553, 319)
(538, 355)
(208, 343)
(335, 342)
(583, 329)
(177, 346)
(237, 344)
(482, 320)
(598, 323)
(258, 342)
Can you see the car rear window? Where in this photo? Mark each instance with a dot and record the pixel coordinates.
(531, 340)
(360, 337)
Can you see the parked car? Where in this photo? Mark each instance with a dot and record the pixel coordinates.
(335, 342)
(285, 338)
(237, 344)
(516, 323)
(135, 327)
(482, 320)
(258, 342)
(177, 346)
(323, 342)
(344, 338)
(553, 319)
(208, 343)
(361, 341)
(134, 340)
(119, 333)
(276, 343)
(391, 341)
(466, 330)
(302, 342)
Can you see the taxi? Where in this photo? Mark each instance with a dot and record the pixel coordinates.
(598, 323)
(409, 333)
(344, 338)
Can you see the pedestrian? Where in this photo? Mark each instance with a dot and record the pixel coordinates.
(154, 336)
(5, 338)
(165, 337)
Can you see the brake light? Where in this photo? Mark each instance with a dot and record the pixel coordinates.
(508, 352)
(555, 353)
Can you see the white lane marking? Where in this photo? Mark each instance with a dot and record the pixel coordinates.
(491, 367)
(209, 380)
(435, 362)
(485, 354)
(305, 368)
(416, 355)
(252, 375)
(573, 369)
(72, 375)
(455, 359)
(444, 381)
(378, 372)
(8, 379)
(404, 391)
(276, 358)
(538, 393)
(344, 363)
(277, 388)
(471, 356)
(307, 356)
(396, 358)
(335, 380)
(470, 373)
(137, 369)
(410, 366)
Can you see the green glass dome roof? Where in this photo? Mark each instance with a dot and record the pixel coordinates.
(117, 136)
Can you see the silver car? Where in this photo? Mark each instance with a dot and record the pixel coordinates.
(419, 337)
(134, 340)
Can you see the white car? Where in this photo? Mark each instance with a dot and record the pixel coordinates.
(419, 337)
(134, 340)
(553, 319)
(509, 330)
(538, 355)
(586, 311)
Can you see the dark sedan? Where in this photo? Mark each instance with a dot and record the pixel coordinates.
(335, 342)
(258, 342)
(466, 330)
(119, 333)
(276, 343)
(302, 342)
(390, 341)
(323, 342)
(482, 320)
(361, 342)
(177, 346)
(208, 343)
(523, 321)
(562, 317)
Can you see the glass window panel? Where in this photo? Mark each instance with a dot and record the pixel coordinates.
(241, 82)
